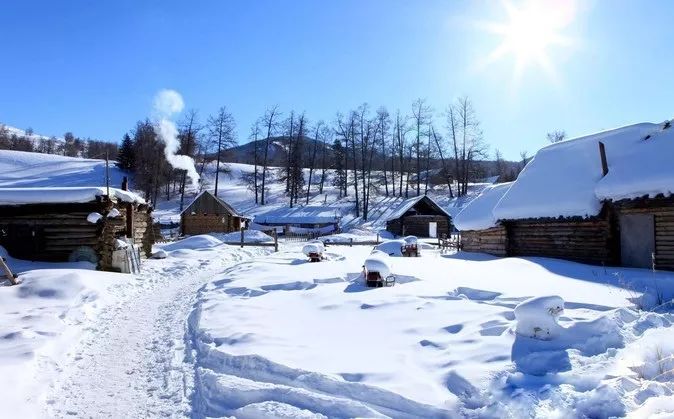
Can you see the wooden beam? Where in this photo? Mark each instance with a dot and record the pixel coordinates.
(604, 163)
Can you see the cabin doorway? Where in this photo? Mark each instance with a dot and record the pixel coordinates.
(637, 240)
(433, 229)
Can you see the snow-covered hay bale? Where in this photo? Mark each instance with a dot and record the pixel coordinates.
(411, 239)
(537, 317)
(315, 248)
(379, 263)
(392, 247)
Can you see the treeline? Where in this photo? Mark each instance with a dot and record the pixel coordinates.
(401, 154)
(69, 145)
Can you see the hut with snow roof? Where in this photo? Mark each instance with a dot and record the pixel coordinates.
(309, 219)
(419, 216)
(73, 223)
(209, 214)
(605, 198)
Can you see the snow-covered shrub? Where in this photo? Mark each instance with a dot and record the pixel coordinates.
(537, 317)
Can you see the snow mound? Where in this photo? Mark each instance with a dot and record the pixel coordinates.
(203, 241)
(316, 247)
(114, 213)
(159, 254)
(392, 247)
(537, 317)
(411, 239)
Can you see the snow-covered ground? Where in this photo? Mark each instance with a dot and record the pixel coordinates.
(215, 330)
(281, 336)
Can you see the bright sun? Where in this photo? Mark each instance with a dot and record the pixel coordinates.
(531, 32)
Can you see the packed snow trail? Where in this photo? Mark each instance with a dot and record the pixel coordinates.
(131, 362)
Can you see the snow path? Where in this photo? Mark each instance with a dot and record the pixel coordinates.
(131, 362)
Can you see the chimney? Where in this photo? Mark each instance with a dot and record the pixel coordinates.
(604, 163)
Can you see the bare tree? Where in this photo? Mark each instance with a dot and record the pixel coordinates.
(254, 134)
(188, 140)
(222, 132)
(467, 142)
(445, 170)
(556, 136)
(312, 162)
(421, 114)
(269, 120)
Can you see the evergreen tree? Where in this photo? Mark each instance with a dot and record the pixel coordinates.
(126, 156)
(340, 174)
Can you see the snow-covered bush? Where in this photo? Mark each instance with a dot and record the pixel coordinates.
(537, 317)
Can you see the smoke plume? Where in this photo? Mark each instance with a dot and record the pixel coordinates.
(166, 104)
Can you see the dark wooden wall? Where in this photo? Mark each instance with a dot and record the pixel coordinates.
(417, 225)
(492, 241)
(192, 224)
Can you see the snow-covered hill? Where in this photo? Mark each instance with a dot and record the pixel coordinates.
(22, 133)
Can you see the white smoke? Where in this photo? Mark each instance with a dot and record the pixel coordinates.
(167, 103)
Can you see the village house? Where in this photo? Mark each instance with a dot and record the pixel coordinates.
(419, 216)
(301, 220)
(73, 223)
(604, 199)
(209, 214)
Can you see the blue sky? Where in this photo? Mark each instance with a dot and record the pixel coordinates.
(93, 67)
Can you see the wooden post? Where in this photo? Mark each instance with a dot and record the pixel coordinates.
(604, 163)
(377, 238)
(275, 241)
(129, 212)
(351, 242)
(242, 237)
(8, 272)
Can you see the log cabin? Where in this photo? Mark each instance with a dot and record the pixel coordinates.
(209, 214)
(72, 223)
(602, 199)
(419, 216)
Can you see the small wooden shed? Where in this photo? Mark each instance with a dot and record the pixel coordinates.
(210, 214)
(71, 224)
(420, 216)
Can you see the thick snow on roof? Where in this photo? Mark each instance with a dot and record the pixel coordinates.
(25, 196)
(478, 214)
(407, 204)
(561, 179)
(299, 215)
(639, 167)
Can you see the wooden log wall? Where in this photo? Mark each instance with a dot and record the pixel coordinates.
(417, 225)
(192, 224)
(588, 240)
(492, 241)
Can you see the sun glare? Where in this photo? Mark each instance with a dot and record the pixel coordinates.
(531, 32)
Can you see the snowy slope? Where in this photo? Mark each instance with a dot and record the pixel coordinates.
(24, 169)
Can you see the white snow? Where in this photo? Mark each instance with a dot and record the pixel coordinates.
(249, 236)
(478, 213)
(299, 215)
(378, 261)
(62, 195)
(113, 213)
(392, 247)
(538, 317)
(314, 247)
(561, 178)
(94, 217)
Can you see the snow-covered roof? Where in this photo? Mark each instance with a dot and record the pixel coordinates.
(300, 215)
(565, 179)
(407, 204)
(63, 195)
(478, 214)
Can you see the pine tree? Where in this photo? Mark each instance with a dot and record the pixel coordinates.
(126, 156)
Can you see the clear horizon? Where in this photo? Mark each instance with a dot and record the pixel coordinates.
(94, 69)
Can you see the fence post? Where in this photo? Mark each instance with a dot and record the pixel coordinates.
(275, 241)
(242, 237)
(351, 242)
(377, 238)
